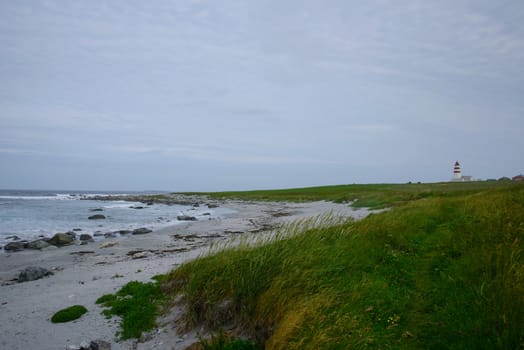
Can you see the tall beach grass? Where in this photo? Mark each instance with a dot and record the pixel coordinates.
(443, 270)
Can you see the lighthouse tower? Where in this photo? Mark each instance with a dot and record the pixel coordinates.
(457, 174)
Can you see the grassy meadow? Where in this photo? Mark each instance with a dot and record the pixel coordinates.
(373, 196)
(442, 269)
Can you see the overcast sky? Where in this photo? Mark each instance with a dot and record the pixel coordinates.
(234, 94)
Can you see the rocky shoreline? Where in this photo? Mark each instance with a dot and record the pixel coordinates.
(74, 236)
(77, 273)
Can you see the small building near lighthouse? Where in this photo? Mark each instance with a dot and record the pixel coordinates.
(457, 174)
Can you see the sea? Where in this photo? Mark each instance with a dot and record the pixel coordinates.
(32, 214)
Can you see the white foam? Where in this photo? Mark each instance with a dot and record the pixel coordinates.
(54, 197)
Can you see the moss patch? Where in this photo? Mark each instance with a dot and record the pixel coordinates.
(68, 314)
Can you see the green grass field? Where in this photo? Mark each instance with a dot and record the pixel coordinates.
(372, 196)
(443, 269)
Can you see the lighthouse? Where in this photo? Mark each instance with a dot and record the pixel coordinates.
(457, 174)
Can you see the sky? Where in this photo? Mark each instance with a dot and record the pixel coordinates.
(194, 95)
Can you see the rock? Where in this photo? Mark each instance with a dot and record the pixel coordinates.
(137, 207)
(98, 234)
(185, 218)
(211, 206)
(85, 346)
(108, 244)
(38, 244)
(61, 239)
(97, 217)
(77, 229)
(96, 209)
(14, 246)
(206, 214)
(110, 235)
(141, 231)
(13, 238)
(140, 255)
(124, 232)
(84, 237)
(32, 273)
(100, 345)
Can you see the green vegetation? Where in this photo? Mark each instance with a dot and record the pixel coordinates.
(444, 269)
(69, 314)
(137, 303)
(223, 342)
(373, 196)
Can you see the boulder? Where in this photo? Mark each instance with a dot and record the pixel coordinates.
(141, 231)
(14, 246)
(211, 206)
(61, 239)
(96, 209)
(38, 244)
(124, 232)
(32, 273)
(185, 218)
(97, 217)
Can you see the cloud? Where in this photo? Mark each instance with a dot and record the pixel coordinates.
(293, 84)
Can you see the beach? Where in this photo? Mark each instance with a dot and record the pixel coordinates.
(83, 273)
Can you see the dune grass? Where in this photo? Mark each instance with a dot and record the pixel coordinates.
(442, 270)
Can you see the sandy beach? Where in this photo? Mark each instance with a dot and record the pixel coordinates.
(83, 273)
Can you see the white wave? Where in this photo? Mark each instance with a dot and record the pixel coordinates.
(54, 197)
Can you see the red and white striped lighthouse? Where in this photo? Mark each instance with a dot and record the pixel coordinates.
(457, 174)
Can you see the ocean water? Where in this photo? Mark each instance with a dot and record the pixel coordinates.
(32, 214)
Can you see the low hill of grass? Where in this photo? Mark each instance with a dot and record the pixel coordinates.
(374, 196)
(443, 269)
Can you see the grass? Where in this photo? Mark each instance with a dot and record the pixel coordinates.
(375, 196)
(137, 303)
(221, 341)
(69, 314)
(444, 269)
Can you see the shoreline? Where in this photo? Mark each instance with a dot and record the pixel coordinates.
(83, 273)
